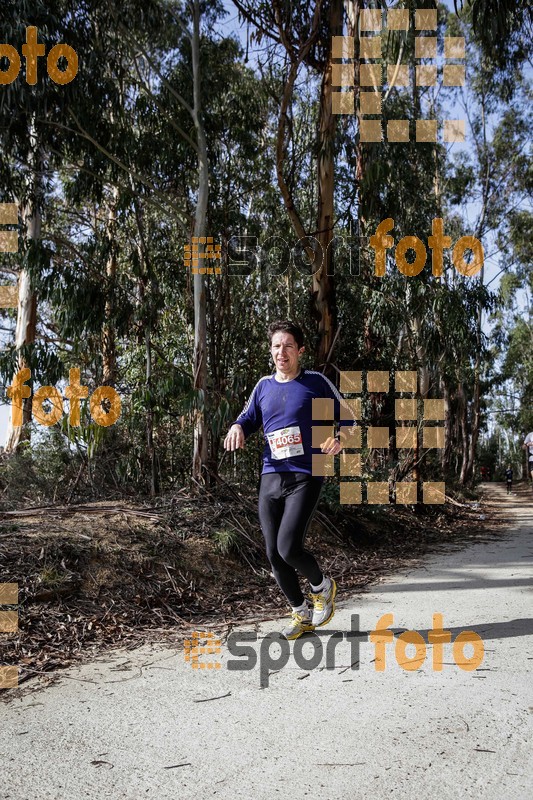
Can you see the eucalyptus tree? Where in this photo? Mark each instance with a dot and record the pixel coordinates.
(44, 128)
(496, 104)
(25, 155)
(299, 36)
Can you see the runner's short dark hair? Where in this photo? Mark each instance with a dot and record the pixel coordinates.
(286, 326)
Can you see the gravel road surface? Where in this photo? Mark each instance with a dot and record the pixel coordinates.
(145, 724)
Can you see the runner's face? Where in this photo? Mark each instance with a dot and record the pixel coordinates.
(285, 353)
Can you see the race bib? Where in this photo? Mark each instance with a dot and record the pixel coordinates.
(286, 442)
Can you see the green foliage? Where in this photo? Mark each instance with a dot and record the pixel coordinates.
(226, 541)
(118, 163)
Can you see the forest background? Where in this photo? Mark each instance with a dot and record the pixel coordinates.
(215, 119)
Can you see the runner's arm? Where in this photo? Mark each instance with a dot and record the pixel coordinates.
(250, 419)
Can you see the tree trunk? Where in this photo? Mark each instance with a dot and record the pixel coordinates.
(353, 8)
(419, 356)
(154, 482)
(109, 347)
(200, 451)
(147, 322)
(476, 416)
(463, 422)
(26, 327)
(24, 335)
(323, 289)
(446, 451)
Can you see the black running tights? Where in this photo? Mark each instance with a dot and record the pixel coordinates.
(287, 501)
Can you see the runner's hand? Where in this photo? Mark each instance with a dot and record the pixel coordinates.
(331, 446)
(234, 438)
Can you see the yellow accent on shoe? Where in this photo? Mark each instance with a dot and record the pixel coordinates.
(323, 605)
(298, 626)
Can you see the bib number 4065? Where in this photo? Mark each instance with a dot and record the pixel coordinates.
(288, 439)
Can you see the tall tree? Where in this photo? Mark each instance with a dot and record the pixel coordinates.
(303, 35)
(200, 219)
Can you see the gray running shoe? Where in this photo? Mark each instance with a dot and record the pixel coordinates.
(324, 604)
(300, 623)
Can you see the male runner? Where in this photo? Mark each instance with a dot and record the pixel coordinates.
(509, 478)
(289, 492)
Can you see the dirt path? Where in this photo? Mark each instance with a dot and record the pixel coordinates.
(145, 724)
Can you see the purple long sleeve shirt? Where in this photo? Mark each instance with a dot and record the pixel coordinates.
(285, 410)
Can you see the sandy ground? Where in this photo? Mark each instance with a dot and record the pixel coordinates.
(145, 724)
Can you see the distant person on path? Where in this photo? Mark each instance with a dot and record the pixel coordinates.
(528, 446)
(509, 478)
(289, 492)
